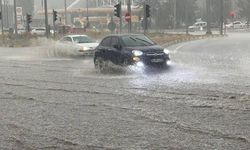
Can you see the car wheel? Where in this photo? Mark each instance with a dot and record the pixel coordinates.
(101, 65)
(125, 62)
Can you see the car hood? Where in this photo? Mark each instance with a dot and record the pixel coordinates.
(154, 48)
(89, 45)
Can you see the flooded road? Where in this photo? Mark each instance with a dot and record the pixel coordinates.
(202, 101)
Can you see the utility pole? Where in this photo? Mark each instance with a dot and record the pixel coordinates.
(208, 6)
(46, 18)
(87, 18)
(120, 17)
(186, 16)
(7, 11)
(147, 14)
(129, 11)
(175, 11)
(1, 15)
(222, 16)
(118, 13)
(145, 19)
(65, 11)
(15, 18)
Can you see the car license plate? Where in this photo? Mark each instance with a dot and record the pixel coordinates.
(157, 60)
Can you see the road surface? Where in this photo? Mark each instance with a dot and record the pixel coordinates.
(201, 102)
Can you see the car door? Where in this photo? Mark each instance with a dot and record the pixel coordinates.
(66, 43)
(103, 48)
(115, 50)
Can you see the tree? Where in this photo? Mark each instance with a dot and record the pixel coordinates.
(244, 10)
(163, 12)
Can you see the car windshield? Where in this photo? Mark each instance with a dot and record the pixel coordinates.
(83, 39)
(137, 40)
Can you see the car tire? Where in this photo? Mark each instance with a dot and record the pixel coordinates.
(101, 65)
(125, 62)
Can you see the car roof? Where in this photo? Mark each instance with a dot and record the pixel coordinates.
(75, 35)
(39, 28)
(121, 35)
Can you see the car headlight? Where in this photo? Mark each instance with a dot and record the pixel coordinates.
(166, 51)
(137, 53)
(86, 48)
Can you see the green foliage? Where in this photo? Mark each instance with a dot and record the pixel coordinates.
(78, 24)
(163, 12)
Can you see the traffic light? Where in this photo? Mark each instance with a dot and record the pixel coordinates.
(117, 10)
(148, 11)
(28, 18)
(54, 15)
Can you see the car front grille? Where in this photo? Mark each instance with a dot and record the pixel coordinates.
(154, 54)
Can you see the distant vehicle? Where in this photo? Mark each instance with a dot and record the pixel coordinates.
(129, 49)
(236, 25)
(21, 31)
(38, 31)
(197, 26)
(80, 44)
(6, 30)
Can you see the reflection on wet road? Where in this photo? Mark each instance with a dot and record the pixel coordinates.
(201, 101)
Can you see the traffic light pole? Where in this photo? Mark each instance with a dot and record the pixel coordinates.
(120, 17)
(222, 16)
(46, 18)
(186, 16)
(145, 19)
(1, 15)
(15, 18)
(129, 22)
(54, 24)
(28, 21)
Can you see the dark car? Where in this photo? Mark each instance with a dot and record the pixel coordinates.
(130, 49)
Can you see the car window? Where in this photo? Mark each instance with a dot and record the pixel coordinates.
(40, 29)
(83, 39)
(114, 41)
(137, 40)
(66, 39)
(106, 42)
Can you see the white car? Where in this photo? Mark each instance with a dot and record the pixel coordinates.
(198, 26)
(78, 44)
(236, 25)
(38, 31)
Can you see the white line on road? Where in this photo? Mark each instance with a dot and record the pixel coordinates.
(177, 48)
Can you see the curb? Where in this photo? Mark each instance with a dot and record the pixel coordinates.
(192, 39)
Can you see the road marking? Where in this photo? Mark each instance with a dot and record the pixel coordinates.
(177, 48)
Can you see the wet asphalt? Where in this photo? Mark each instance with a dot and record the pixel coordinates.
(53, 101)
